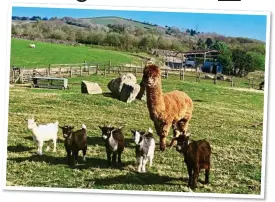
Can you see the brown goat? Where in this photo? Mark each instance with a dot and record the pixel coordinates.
(196, 157)
(74, 142)
(165, 109)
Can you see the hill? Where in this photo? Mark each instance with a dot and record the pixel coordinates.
(49, 53)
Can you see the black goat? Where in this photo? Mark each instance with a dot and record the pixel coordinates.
(114, 144)
(74, 142)
(196, 157)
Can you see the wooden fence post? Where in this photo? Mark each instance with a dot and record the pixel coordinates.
(60, 71)
(215, 79)
(97, 67)
(21, 75)
(136, 71)
(71, 71)
(49, 70)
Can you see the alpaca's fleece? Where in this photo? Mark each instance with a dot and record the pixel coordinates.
(165, 109)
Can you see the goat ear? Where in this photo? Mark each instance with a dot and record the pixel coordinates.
(187, 134)
(132, 131)
(150, 130)
(173, 141)
(35, 120)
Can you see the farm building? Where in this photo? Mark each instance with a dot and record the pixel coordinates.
(191, 59)
(212, 67)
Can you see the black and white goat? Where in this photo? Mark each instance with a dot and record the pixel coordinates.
(114, 144)
(74, 142)
(145, 148)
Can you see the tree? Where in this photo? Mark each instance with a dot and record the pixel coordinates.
(258, 61)
(209, 42)
(201, 44)
(243, 62)
(224, 57)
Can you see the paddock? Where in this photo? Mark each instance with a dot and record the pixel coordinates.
(223, 116)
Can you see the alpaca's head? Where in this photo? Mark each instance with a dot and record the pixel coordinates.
(151, 75)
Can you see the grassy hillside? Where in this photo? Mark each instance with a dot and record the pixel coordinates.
(221, 115)
(117, 20)
(49, 53)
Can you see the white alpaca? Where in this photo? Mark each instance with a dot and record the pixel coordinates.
(42, 133)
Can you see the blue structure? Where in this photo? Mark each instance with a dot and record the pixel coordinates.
(212, 67)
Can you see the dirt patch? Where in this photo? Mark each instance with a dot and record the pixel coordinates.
(247, 90)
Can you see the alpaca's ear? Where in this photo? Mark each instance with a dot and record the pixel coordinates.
(133, 131)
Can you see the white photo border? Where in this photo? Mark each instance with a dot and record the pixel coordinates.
(132, 192)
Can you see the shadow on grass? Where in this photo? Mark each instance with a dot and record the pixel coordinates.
(19, 148)
(107, 94)
(138, 179)
(90, 162)
(49, 142)
(97, 140)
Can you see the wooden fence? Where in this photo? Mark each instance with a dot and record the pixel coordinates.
(23, 75)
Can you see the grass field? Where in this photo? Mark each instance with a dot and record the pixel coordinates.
(49, 53)
(221, 115)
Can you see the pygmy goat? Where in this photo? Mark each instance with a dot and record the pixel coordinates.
(43, 133)
(145, 148)
(196, 157)
(74, 142)
(114, 144)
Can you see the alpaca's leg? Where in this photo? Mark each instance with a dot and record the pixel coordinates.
(164, 133)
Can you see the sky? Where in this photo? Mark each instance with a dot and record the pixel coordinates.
(235, 25)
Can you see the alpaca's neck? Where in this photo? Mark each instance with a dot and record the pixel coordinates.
(155, 101)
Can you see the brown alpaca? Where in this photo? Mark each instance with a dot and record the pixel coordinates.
(165, 109)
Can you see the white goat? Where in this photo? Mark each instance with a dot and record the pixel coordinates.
(145, 148)
(42, 133)
(32, 45)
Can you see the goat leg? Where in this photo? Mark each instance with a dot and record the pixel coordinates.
(109, 163)
(114, 158)
(140, 164)
(84, 153)
(206, 175)
(68, 156)
(75, 157)
(190, 174)
(119, 159)
(196, 176)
